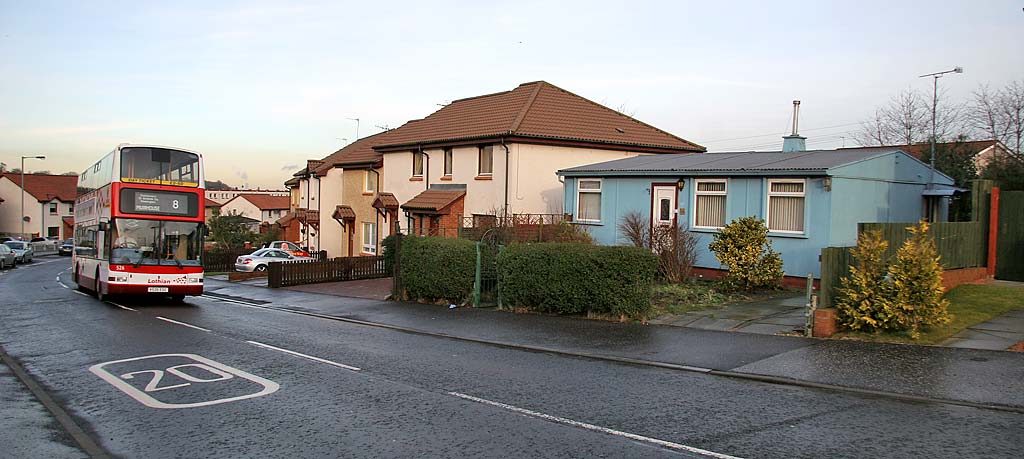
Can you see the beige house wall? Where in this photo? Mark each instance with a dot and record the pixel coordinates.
(533, 186)
(331, 195)
(242, 206)
(38, 212)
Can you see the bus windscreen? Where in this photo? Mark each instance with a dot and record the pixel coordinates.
(159, 166)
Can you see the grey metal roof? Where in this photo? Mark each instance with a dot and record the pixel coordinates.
(815, 161)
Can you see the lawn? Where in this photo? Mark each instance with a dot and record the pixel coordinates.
(968, 305)
(698, 295)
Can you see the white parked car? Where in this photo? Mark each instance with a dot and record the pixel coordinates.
(23, 252)
(258, 260)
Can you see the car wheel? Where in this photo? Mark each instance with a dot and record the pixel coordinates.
(261, 268)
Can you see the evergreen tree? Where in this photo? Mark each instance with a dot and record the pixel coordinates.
(865, 293)
(917, 285)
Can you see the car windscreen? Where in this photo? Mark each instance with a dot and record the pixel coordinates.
(15, 245)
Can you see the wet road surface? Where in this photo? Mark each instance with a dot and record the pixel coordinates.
(218, 378)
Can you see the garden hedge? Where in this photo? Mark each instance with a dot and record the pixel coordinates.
(435, 268)
(569, 278)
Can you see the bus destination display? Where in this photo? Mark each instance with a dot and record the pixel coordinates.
(138, 201)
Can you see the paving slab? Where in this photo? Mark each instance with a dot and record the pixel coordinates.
(792, 320)
(1002, 323)
(707, 323)
(971, 333)
(1017, 314)
(976, 343)
(765, 329)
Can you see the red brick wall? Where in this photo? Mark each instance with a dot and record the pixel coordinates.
(787, 281)
(955, 277)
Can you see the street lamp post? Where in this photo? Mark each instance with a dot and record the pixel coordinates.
(935, 101)
(23, 158)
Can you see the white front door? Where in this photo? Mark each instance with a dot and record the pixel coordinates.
(663, 208)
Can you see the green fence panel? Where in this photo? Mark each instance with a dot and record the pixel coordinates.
(1010, 245)
(835, 264)
(960, 244)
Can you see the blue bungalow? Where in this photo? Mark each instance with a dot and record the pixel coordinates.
(809, 199)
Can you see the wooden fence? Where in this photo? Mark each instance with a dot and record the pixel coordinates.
(222, 260)
(284, 274)
(959, 244)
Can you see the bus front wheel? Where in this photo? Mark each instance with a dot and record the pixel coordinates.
(99, 287)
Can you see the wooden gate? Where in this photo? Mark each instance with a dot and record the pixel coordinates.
(1010, 251)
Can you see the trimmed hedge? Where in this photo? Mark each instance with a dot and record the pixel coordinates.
(436, 268)
(387, 250)
(569, 278)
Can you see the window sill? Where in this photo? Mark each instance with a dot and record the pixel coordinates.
(446, 177)
(585, 222)
(482, 177)
(788, 235)
(367, 193)
(705, 230)
(415, 179)
(367, 254)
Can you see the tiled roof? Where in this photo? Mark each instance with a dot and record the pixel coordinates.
(212, 203)
(45, 187)
(537, 110)
(918, 150)
(343, 213)
(358, 152)
(70, 221)
(433, 200)
(385, 201)
(265, 202)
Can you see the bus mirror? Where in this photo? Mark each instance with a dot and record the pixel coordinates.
(104, 226)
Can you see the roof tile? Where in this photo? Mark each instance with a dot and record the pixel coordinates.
(45, 187)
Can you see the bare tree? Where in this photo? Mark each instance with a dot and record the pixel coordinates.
(999, 114)
(906, 119)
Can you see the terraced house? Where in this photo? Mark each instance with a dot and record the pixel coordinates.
(475, 158)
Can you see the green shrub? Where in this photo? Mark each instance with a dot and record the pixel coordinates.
(917, 284)
(743, 247)
(435, 268)
(865, 293)
(571, 278)
(387, 247)
(905, 296)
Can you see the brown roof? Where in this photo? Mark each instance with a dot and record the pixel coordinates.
(537, 110)
(344, 213)
(70, 221)
(918, 150)
(385, 201)
(433, 200)
(45, 187)
(359, 152)
(212, 203)
(265, 202)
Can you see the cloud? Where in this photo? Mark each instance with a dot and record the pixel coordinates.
(290, 167)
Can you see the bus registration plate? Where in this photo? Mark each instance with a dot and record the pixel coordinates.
(158, 290)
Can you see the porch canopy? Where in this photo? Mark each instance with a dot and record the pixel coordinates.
(433, 202)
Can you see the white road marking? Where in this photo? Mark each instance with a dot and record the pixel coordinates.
(583, 425)
(81, 293)
(126, 308)
(317, 359)
(174, 321)
(223, 372)
(232, 301)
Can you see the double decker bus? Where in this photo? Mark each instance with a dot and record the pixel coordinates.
(139, 223)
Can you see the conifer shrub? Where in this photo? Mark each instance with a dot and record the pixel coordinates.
(865, 292)
(744, 248)
(572, 278)
(916, 278)
(904, 296)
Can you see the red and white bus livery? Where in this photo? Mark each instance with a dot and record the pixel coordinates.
(139, 223)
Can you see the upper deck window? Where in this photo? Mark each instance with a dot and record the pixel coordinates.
(159, 166)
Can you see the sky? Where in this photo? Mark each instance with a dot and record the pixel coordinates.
(259, 87)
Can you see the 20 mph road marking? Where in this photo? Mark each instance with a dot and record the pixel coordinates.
(316, 359)
(176, 322)
(583, 425)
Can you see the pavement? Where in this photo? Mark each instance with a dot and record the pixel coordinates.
(972, 377)
(772, 316)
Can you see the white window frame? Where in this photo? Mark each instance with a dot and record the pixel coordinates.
(480, 163)
(449, 162)
(54, 208)
(788, 194)
(422, 158)
(366, 182)
(369, 245)
(697, 192)
(598, 191)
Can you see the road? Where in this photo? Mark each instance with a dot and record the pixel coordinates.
(215, 378)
